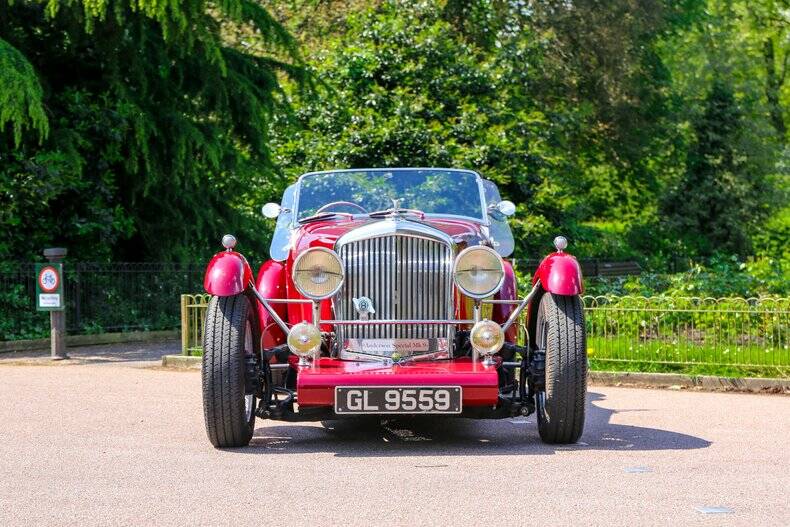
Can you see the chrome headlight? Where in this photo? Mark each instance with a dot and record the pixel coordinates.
(479, 271)
(318, 273)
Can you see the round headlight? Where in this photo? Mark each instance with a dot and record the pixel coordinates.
(487, 337)
(479, 271)
(304, 339)
(318, 273)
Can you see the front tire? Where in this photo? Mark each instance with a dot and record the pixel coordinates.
(560, 333)
(228, 342)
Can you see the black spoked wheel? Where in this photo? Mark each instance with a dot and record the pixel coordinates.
(228, 342)
(561, 333)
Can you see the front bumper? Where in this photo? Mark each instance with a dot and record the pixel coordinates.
(316, 383)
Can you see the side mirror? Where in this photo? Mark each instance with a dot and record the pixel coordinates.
(504, 207)
(271, 210)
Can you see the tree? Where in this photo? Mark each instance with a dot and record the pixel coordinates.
(404, 88)
(722, 197)
(768, 23)
(134, 129)
(566, 105)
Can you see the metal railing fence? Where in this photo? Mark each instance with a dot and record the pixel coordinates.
(193, 322)
(741, 332)
(100, 297)
(122, 296)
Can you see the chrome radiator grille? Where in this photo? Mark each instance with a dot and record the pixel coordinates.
(405, 277)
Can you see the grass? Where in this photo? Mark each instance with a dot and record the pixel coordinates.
(615, 353)
(692, 369)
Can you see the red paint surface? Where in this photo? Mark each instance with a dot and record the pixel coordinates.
(559, 273)
(501, 312)
(325, 233)
(227, 274)
(271, 284)
(316, 384)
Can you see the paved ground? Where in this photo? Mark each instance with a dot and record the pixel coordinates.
(112, 441)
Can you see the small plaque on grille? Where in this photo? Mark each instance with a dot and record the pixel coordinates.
(386, 347)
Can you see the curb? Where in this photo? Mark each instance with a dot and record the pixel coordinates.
(676, 381)
(672, 381)
(182, 362)
(74, 341)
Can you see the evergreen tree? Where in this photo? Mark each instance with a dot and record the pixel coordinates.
(132, 129)
(721, 198)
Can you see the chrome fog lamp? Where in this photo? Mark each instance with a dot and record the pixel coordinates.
(318, 273)
(479, 271)
(304, 340)
(487, 337)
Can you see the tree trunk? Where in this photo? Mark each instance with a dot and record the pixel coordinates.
(773, 83)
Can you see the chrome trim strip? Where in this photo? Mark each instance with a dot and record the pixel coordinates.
(393, 227)
(516, 312)
(265, 303)
(364, 357)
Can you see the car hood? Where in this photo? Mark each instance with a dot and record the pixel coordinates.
(326, 233)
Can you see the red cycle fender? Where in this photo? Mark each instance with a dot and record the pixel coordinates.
(271, 284)
(227, 274)
(559, 273)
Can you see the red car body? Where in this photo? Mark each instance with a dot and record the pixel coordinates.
(228, 273)
(388, 293)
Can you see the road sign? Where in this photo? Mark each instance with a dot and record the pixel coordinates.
(49, 287)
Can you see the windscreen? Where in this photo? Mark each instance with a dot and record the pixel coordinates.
(432, 191)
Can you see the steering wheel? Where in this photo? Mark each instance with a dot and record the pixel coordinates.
(345, 203)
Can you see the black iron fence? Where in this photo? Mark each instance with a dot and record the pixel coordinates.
(100, 297)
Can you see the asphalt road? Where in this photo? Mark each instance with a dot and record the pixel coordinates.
(118, 443)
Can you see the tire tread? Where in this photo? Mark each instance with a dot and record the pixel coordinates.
(223, 374)
(566, 368)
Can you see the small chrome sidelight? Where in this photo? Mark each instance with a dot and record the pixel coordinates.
(487, 338)
(229, 242)
(304, 340)
(560, 243)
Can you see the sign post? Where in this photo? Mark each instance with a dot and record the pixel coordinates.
(50, 297)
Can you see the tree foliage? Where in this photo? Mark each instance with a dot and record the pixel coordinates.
(157, 117)
(653, 130)
(595, 121)
(722, 192)
(20, 95)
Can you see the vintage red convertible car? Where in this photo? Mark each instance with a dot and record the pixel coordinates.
(387, 294)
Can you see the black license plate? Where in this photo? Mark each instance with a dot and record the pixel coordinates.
(397, 400)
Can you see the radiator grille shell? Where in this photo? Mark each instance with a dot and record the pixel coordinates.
(407, 276)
